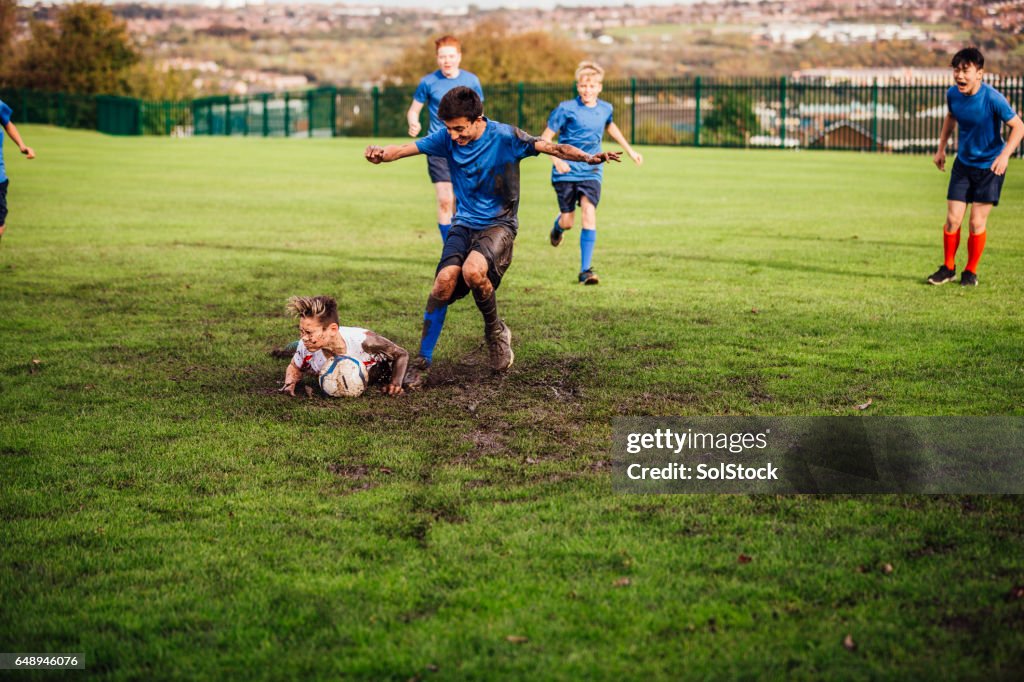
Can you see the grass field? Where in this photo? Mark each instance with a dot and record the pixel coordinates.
(170, 515)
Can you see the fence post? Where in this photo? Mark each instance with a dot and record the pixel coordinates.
(782, 110)
(227, 116)
(874, 115)
(309, 111)
(266, 119)
(696, 120)
(376, 111)
(632, 111)
(287, 114)
(519, 104)
(209, 117)
(334, 112)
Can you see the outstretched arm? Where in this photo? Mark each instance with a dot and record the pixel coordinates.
(412, 117)
(12, 131)
(1016, 135)
(560, 166)
(375, 344)
(617, 135)
(377, 154)
(570, 153)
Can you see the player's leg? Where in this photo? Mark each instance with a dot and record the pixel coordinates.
(3, 206)
(448, 287)
(445, 207)
(589, 196)
(437, 168)
(975, 242)
(985, 189)
(564, 192)
(955, 211)
(441, 294)
(482, 272)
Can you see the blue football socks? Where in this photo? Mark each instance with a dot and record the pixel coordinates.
(587, 240)
(433, 323)
(557, 228)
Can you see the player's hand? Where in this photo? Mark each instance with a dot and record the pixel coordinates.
(414, 129)
(287, 389)
(561, 166)
(999, 165)
(28, 152)
(940, 160)
(392, 389)
(637, 158)
(596, 159)
(374, 154)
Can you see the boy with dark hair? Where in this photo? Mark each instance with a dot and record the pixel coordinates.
(582, 122)
(12, 131)
(320, 338)
(981, 160)
(483, 157)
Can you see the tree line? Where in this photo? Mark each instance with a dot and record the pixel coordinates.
(86, 51)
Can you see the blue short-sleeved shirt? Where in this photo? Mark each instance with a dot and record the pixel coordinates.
(434, 86)
(5, 118)
(485, 173)
(980, 117)
(583, 127)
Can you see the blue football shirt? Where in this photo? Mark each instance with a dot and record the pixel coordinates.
(434, 86)
(485, 173)
(583, 127)
(5, 118)
(980, 117)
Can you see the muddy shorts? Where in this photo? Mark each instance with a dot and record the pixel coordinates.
(494, 244)
(437, 168)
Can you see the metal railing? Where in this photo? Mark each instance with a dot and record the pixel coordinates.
(752, 113)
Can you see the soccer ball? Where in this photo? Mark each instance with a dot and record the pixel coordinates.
(343, 377)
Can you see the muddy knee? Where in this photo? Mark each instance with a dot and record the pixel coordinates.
(444, 283)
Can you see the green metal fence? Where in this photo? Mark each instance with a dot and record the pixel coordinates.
(753, 113)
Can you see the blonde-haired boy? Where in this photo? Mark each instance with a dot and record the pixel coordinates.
(582, 123)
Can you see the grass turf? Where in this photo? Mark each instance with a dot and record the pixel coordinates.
(170, 515)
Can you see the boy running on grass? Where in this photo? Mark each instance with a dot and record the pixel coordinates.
(582, 122)
(981, 160)
(320, 338)
(12, 131)
(431, 89)
(483, 157)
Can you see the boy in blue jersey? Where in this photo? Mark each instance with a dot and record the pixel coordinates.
(981, 160)
(431, 89)
(582, 122)
(483, 157)
(12, 131)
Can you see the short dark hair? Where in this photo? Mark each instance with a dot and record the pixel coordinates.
(460, 102)
(323, 309)
(967, 56)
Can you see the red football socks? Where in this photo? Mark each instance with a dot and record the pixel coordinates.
(950, 242)
(975, 245)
